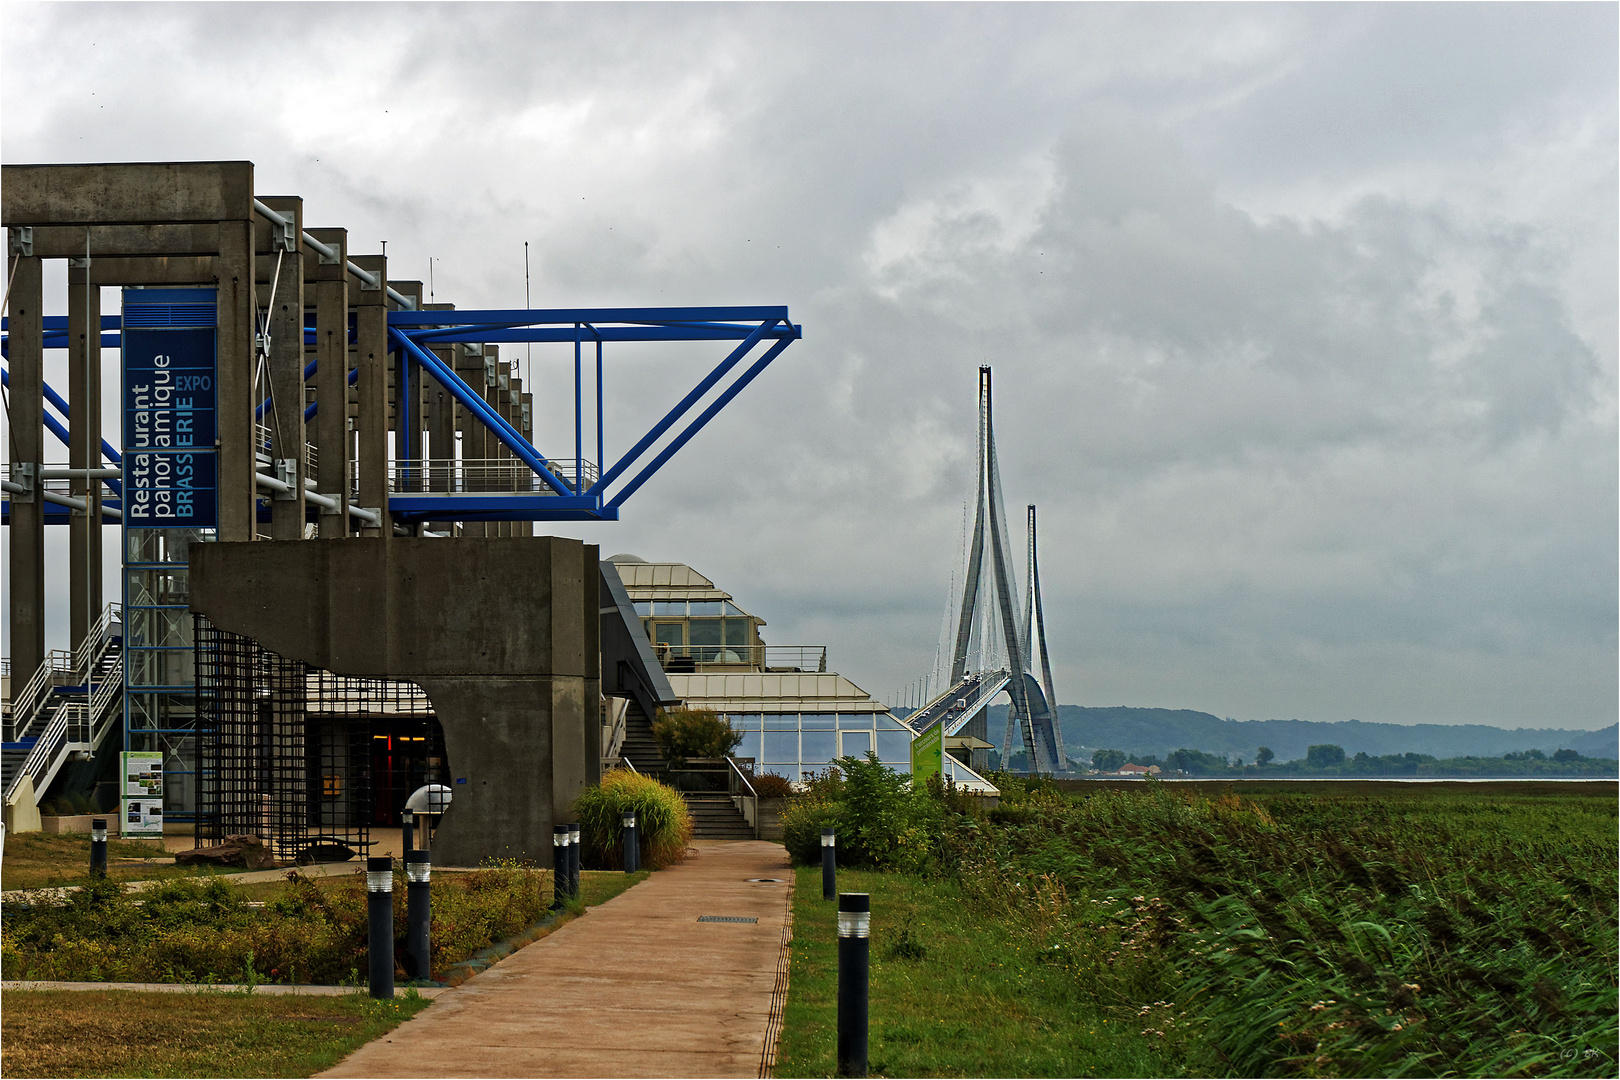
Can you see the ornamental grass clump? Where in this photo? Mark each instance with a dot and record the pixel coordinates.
(663, 823)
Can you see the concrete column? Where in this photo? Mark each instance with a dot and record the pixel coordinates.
(474, 435)
(331, 281)
(371, 397)
(526, 402)
(284, 293)
(84, 452)
(238, 308)
(500, 396)
(26, 346)
(514, 413)
(408, 430)
(441, 425)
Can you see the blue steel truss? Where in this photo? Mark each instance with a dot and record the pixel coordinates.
(412, 334)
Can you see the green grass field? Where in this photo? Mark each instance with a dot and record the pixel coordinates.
(129, 1033)
(42, 860)
(1155, 929)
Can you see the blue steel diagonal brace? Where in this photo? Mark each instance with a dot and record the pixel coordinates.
(497, 423)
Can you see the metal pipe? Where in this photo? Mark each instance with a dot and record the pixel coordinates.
(63, 500)
(380, 925)
(270, 483)
(854, 968)
(81, 474)
(331, 253)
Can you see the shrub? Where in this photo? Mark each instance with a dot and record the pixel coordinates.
(771, 786)
(663, 823)
(881, 820)
(802, 822)
(694, 733)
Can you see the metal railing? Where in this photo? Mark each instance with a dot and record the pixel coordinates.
(761, 658)
(747, 805)
(467, 475)
(61, 668)
(76, 726)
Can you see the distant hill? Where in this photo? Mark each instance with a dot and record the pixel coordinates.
(1159, 731)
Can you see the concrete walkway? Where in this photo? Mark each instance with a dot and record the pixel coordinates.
(638, 987)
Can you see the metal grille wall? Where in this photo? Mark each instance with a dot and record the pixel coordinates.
(282, 747)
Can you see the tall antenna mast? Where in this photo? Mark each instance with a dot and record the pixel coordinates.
(529, 347)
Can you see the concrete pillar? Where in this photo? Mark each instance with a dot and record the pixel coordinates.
(526, 405)
(84, 452)
(441, 425)
(26, 346)
(237, 310)
(284, 294)
(408, 428)
(514, 405)
(474, 435)
(371, 386)
(331, 281)
(499, 396)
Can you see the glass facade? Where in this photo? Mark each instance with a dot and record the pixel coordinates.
(797, 745)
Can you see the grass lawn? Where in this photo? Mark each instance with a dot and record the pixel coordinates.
(42, 860)
(970, 1000)
(129, 1033)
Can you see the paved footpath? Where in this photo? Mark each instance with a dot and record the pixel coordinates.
(638, 987)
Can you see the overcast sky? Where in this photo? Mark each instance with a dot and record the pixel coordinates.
(1303, 318)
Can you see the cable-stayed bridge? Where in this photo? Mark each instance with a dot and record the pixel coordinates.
(998, 634)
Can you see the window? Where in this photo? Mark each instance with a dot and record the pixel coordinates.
(894, 746)
(856, 743)
(885, 722)
(676, 608)
(667, 633)
(781, 748)
(782, 721)
(737, 632)
(855, 721)
(819, 721)
(703, 632)
(711, 608)
(749, 747)
(644, 608)
(734, 611)
(818, 747)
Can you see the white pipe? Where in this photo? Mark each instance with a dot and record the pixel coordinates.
(63, 500)
(331, 253)
(272, 484)
(81, 474)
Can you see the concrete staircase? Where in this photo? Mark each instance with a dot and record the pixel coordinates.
(640, 748)
(715, 817)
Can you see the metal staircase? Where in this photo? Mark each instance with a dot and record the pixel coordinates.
(66, 709)
(639, 748)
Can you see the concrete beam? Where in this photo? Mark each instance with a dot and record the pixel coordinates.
(502, 635)
(139, 193)
(153, 270)
(67, 241)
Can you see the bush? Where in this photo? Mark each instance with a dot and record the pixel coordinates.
(881, 820)
(694, 733)
(771, 786)
(663, 823)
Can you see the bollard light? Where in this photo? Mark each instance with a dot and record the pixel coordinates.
(632, 845)
(559, 866)
(829, 863)
(380, 924)
(98, 847)
(418, 913)
(854, 959)
(407, 825)
(573, 860)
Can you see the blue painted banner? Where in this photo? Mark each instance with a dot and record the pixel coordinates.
(171, 374)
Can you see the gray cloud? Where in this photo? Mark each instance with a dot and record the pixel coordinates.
(1303, 318)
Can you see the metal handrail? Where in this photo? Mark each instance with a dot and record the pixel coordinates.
(55, 732)
(767, 658)
(27, 705)
(630, 765)
(506, 475)
(733, 763)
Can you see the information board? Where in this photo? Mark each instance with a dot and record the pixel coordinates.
(143, 791)
(171, 408)
(927, 755)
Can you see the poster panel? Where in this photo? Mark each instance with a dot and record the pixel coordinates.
(927, 755)
(143, 792)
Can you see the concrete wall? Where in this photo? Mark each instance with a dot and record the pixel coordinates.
(500, 633)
